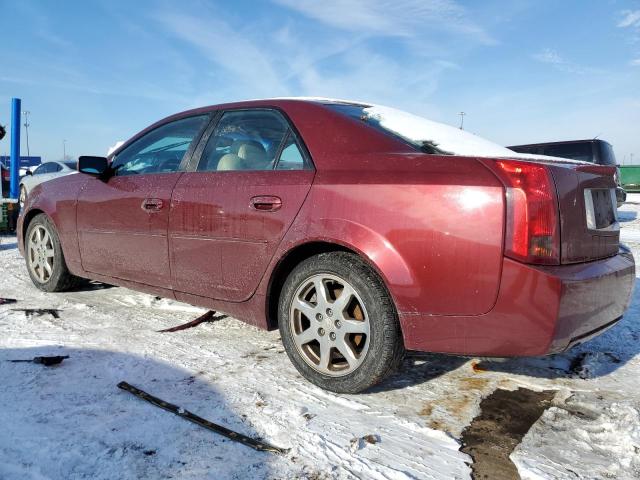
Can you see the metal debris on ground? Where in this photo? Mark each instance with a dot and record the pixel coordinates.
(207, 317)
(46, 361)
(191, 417)
(38, 312)
(361, 442)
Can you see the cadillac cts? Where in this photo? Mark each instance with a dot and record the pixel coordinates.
(357, 230)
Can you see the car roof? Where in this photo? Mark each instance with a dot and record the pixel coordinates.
(264, 102)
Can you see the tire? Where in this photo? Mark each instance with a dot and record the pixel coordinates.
(55, 276)
(23, 196)
(347, 340)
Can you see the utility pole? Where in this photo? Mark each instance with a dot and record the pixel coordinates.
(64, 150)
(26, 128)
(462, 114)
(631, 158)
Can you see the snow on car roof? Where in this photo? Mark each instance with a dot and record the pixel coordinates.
(417, 130)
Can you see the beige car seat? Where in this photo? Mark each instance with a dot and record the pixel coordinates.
(254, 156)
(231, 161)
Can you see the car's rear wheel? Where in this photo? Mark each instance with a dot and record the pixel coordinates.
(45, 260)
(338, 323)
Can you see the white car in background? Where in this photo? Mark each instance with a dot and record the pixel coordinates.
(45, 171)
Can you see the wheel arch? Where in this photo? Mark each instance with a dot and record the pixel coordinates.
(28, 217)
(287, 263)
(301, 252)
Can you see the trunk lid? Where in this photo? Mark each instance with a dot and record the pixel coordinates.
(589, 228)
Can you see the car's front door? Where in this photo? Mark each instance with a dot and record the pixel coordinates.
(229, 215)
(122, 221)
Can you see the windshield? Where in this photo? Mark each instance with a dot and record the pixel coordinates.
(425, 135)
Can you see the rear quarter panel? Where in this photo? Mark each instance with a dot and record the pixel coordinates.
(432, 226)
(58, 198)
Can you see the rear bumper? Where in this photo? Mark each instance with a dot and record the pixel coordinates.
(594, 297)
(539, 310)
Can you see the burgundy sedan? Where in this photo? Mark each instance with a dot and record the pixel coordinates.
(359, 231)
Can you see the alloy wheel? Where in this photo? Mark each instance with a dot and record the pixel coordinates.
(329, 324)
(41, 254)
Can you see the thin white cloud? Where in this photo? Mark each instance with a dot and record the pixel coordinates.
(630, 18)
(549, 56)
(228, 48)
(557, 61)
(399, 18)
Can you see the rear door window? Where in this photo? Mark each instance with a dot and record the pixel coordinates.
(245, 140)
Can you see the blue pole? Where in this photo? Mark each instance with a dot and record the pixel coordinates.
(15, 148)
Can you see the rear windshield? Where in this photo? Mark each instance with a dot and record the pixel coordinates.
(423, 134)
(359, 112)
(574, 151)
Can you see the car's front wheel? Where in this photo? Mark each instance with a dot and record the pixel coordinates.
(338, 323)
(23, 196)
(45, 260)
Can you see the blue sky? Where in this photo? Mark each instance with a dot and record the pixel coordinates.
(95, 72)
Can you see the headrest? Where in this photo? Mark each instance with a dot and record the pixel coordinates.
(230, 161)
(252, 153)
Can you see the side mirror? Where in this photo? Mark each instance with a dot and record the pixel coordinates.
(28, 173)
(96, 166)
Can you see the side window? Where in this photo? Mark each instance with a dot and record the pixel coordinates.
(40, 170)
(291, 158)
(244, 140)
(161, 150)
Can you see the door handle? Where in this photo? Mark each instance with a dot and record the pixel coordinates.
(266, 203)
(152, 204)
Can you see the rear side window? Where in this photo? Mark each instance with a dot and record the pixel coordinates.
(607, 157)
(245, 140)
(291, 157)
(574, 151)
(161, 150)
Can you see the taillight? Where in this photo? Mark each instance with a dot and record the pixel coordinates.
(6, 175)
(532, 232)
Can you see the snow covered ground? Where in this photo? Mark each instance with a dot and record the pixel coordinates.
(71, 421)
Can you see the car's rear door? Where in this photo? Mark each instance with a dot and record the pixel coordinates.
(249, 180)
(122, 222)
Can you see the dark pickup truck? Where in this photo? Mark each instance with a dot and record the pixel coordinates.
(594, 151)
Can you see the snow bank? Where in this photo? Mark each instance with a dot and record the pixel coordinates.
(586, 437)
